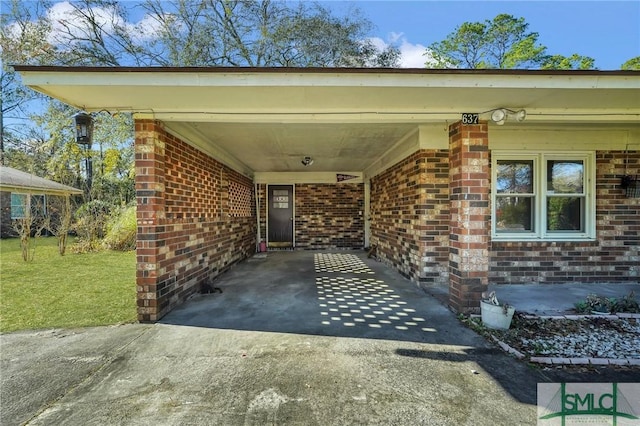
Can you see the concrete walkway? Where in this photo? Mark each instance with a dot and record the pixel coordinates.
(298, 338)
(557, 299)
(547, 299)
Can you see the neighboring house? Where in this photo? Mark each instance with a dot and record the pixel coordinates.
(458, 177)
(23, 194)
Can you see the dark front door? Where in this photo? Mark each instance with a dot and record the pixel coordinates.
(280, 216)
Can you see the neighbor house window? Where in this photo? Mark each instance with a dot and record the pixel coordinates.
(23, 203)
(547, 196)
(19, 205)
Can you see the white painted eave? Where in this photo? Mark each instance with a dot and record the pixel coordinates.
(266, 120)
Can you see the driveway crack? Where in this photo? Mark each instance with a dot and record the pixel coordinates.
(91, 374)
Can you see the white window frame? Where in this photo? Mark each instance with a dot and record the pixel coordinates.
(541, 196)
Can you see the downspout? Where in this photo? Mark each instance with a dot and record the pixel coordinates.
(367, 212)
(257, 218)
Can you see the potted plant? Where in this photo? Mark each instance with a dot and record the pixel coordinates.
(494, 314)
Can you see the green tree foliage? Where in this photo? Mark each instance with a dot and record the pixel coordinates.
(22, 41)
(573, 62)
(503, 43)
(121, 229)
(91, 222)
(256, 33)
(462, 49)
(632, 64)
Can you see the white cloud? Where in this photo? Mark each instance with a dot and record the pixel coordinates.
(394, 37)
(147, 28)
(68, 23)
(379, 43)
(411, 55)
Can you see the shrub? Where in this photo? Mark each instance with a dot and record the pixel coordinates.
(121, 229)
(595, 303)
(91, 220)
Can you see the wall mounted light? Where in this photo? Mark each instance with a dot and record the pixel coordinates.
(500, 115)
(307, 161)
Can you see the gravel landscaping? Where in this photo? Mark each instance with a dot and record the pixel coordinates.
(587, 337)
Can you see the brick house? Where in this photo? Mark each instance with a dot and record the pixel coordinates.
(458, 177)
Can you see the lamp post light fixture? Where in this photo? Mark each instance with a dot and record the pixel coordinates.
(84, 128)
(84, 134)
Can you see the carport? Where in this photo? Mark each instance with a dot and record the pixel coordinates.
(321, 292)
(227, 158)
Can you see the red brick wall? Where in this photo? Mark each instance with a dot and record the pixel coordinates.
(614, 256)
(326, 215)
(410, 216)
(329, 216)
(195, 219)
(470, 215)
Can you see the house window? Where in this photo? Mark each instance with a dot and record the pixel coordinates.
(23, 203)
(19, 205)
(545, 196)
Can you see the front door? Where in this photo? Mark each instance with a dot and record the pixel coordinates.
(280, 224)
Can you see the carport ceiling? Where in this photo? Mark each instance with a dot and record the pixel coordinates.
(268, 119)
(281, 147)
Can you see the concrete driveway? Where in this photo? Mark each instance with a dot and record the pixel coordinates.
(303, 338)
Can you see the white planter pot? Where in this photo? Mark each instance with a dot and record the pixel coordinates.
(493, 316)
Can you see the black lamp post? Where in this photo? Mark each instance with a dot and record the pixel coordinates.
(84, 133)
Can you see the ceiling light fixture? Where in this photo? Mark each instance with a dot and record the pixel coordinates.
(307, 161)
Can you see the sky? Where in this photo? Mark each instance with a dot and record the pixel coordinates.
(608, 31)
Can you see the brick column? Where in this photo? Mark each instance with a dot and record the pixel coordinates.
(470, 215)
(150, 172)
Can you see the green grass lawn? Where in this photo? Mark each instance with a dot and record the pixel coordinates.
(75, 290)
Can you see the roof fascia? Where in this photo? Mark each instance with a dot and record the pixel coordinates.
(38, 191)
(231, 77)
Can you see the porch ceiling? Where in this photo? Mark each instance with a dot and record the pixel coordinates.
(345, 119)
